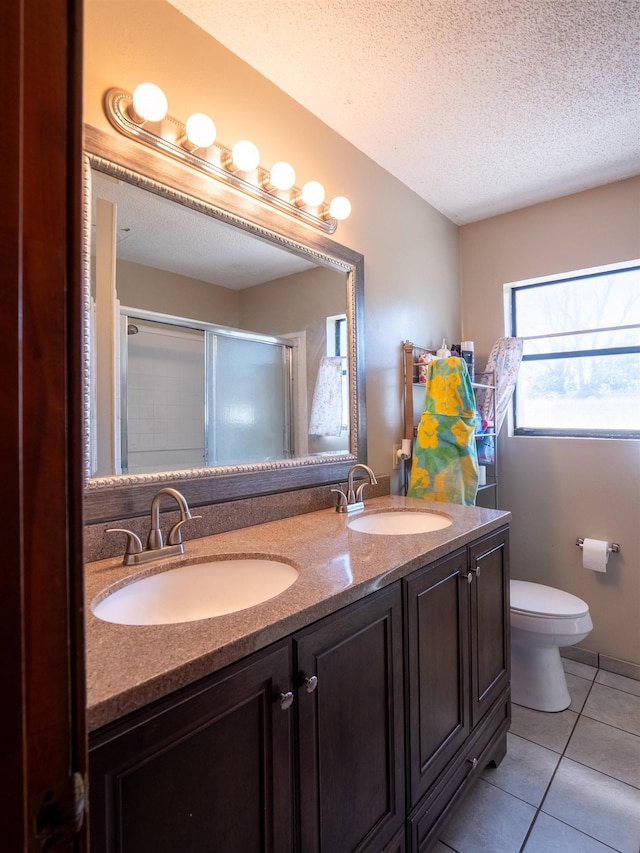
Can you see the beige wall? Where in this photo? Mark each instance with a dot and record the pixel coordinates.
(169, 293)
(561, 489)
(411, 251)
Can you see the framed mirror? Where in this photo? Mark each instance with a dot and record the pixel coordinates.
(223, 345)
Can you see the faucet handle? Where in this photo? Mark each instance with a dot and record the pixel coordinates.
(134, 544)
(358, 495)
(174, 537)
(342, 499)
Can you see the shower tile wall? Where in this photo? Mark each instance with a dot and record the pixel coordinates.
(165, 400)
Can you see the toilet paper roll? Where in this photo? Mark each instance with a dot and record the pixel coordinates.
(595, 553)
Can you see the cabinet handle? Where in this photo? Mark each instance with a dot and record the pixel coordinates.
(311, 683)
(469, 577)
(477, 571)
(286, 700)
(473, 762)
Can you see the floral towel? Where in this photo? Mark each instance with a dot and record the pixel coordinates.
(445, 461)
(326, 407)
(502, 368)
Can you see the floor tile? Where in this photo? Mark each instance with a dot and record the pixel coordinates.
(525, 771)
(550, 730)
(601, 807)
(489, 820)
(614, 707)
(552, 836)
(578, 690)
(583, 670)
(620, 682)
(441, 848)
(606, 749)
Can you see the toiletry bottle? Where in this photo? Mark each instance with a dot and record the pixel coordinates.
(443, 352)
(467, 352)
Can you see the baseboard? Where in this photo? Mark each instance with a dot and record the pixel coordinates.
(620, 667)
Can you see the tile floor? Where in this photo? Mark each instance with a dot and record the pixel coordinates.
(570, 782)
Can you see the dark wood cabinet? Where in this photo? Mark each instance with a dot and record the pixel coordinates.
(458, 708)
(351, 732)
(213, 767)
(438, 676)
(357, 734)
(208, 769)
(490, 622)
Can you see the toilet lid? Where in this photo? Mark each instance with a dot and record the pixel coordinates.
(543, 600)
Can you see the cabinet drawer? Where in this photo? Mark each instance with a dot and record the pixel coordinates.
(426, 822)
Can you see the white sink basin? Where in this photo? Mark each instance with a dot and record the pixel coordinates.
(200, 591)
(399, 522)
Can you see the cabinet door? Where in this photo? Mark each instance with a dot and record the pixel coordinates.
(209, 769)
(490, 629)
(351, 737)
(437, 614)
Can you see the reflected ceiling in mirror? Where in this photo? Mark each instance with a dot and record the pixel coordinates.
(219, 280)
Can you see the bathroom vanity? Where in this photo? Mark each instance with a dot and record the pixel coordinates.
(351, 712)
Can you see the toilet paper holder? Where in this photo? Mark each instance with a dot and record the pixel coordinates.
(614, 549)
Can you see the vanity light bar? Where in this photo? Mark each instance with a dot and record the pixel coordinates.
(171, 137)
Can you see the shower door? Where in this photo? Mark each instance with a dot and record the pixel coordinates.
(201, 397)
(248, 400)
(163, 399)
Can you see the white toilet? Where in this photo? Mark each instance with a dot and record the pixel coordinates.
(543, 620)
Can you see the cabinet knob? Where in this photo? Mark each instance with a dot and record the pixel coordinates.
(477, 571)
(469, 577)
(473, 762)
(286, 700)
(311, 683)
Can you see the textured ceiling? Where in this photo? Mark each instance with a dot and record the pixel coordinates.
(156, 232)
(480, 106)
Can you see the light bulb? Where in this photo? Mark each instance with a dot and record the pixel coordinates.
(283, 176)
(200, 130)
(340, 207)
(245, 156)
(312, 193)
(149, 103)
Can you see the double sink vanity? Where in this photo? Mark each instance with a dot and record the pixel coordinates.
(346, 703)
(330, 681)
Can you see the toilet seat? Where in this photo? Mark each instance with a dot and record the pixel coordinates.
(545, 602)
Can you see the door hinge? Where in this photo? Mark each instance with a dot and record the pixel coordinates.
(58, 814)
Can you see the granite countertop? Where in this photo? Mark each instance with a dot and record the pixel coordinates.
(129, 666)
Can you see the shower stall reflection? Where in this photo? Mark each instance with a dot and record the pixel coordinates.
(202, 397)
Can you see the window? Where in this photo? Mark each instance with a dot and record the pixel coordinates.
(580, 372)
(337, 345)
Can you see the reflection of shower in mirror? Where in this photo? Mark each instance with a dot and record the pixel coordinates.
(193, 395)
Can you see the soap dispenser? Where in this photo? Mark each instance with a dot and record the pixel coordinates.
(443, 352)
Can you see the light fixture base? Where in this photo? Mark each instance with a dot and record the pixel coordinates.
(167, 141)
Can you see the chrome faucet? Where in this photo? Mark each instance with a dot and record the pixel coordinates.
(353, 499)
(155, 548)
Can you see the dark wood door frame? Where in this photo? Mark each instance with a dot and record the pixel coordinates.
(42, 736)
